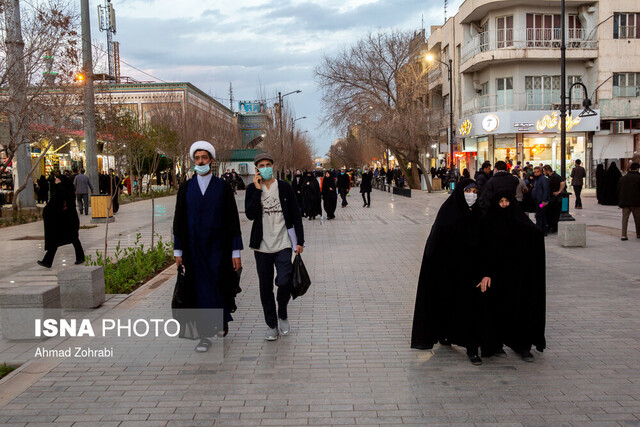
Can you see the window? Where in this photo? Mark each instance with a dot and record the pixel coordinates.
(542, 91)
(504, 93)
(483, 100)
(577, 93)
(543, 30)
(484, 37)
(504, 34)
(626, 85)
(626, 26)
(575, 29)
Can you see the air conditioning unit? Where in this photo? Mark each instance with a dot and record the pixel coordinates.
(617, 126)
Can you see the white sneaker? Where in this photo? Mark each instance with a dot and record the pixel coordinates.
(284, 327)
(271, 335)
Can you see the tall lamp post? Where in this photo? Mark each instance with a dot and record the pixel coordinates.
(293, 123)
(449, 66)
(586, 103)
(280, 98)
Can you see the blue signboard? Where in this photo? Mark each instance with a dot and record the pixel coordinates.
(251, 107)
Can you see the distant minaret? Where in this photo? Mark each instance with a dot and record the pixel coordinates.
(231, 96)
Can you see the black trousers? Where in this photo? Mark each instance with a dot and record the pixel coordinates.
(541, 218)
(265, 264)
(343, 194)
(553, 212)
(51, 253)
(367, 201)
(578, 189)
(83, 203)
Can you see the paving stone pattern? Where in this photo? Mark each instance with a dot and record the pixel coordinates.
(348, 361)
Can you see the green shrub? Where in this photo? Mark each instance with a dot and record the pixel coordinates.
(131, 267)
(5, 370)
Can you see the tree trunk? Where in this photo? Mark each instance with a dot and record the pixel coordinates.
(14, 205)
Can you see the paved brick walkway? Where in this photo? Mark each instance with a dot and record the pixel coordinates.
(348, 361)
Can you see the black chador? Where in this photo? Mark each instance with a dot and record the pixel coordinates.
(517, 281)
(311, 206)
(447, 303)
(329, 195)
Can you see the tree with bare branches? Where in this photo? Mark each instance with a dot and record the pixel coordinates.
(378, 85)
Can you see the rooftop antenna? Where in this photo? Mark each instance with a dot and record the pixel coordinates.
(107, 19)
(231, 96)
(445, 11)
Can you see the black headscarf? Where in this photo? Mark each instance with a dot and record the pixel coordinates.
(444, 295)
(518, 282)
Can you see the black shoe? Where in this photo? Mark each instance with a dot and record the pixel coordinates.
(445, 341)
(475, 360)
(624, 238)
(79, 261)
(527, 356)
(44, 265)
(368, 206)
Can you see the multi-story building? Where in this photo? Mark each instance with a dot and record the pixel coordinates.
(506, 80)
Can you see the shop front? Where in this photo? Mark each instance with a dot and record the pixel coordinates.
(529, 136)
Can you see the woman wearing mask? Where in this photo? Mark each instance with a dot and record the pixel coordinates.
(448, 304)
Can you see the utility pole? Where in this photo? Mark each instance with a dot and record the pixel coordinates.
(90, 144)
(18, 117)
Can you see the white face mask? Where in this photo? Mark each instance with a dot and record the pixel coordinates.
(470, 198)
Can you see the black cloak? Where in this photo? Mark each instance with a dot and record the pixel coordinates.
(599, 182)
(311, 206)
(329, 195)
(43, 189)
(365, 185)
(296, 184)
(518, 281)
(610, 190)
(61, 222)
(446, 301)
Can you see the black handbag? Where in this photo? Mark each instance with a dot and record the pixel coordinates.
(300, 280)
(179, 299)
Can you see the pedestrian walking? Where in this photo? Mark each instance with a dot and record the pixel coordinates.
(448, 306)
(344, 184)
(329, 195)
(482, 176)
(296, 184)
(516, 311)
(600, 172)
(42, 189)
(61, 222)
(275, 233)
(521, 189)
(557, 185)
(82, 186)
(311, 201)
(207, 241)
(541, 194)
(610, 189)
(629, 199)
(113, 188)
(365, 187)
(578, 174)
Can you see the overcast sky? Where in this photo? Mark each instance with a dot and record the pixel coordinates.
(270, 44)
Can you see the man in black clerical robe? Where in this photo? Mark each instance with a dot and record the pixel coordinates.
(207, 242)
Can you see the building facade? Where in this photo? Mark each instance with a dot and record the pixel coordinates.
(506, 80)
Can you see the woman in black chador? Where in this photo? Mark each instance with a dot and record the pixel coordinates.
(61, 223)
(311, 206)
(448, 303)
(515, 283)
(610, 188)
(599, 182)
(329, 195)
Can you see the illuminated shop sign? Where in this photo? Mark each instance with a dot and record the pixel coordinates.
(465, 128)
(551, 121)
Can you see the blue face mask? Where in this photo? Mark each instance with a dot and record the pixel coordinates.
(202, 169)
(266, 173)
(341, 173)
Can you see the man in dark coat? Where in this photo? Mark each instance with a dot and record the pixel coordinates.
(578, 174)
(540, 194)
(344, 184)
(276, 233)
(557, 185)
(329, 195)
(483, 175)
(629, 199)
(501, 181)
(207, 241)
(365, 187)
(61, 222)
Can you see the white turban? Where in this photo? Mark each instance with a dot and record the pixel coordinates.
(202, 145)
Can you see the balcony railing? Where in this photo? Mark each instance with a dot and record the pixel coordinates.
(529, 38)
(435, 74)
(626, 91)
(529, 100)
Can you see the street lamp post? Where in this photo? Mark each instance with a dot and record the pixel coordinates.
(280, 98)
(450, 75)
(293, 122)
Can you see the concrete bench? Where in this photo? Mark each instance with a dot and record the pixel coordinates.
(82, 287)
(21, 306)
(572, 234)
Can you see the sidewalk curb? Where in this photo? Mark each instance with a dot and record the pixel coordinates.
(24, 376)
